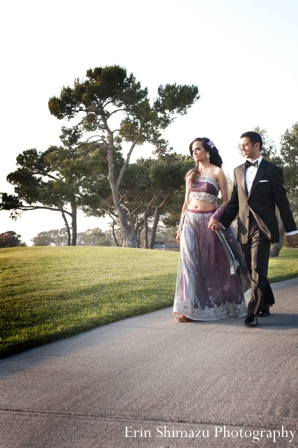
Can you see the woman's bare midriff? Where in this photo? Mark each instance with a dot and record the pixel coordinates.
(201, 206)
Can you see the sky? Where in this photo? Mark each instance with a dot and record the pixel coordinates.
(241, 55)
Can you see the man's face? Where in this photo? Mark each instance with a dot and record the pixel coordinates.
(249, 150)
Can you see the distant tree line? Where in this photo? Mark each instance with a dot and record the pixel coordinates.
(59, 237)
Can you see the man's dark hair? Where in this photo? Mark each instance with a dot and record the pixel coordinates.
(254, 137)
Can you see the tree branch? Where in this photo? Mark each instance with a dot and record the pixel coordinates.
(28, 208)
(122, 171)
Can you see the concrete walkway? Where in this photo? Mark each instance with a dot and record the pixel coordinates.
(148, 381)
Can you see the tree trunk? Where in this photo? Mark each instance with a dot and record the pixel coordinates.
(276, 247)
(157, 212)
(114, 234)
(74, 223)
(128, 232)
(67, 227)
(154, 227)
(139, 238)
(146, 230)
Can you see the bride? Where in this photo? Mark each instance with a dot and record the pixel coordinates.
(212, 275)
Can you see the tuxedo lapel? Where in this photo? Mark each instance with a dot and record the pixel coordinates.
(242, 171)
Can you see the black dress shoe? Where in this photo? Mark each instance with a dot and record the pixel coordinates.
(264, 312)
(251, 321)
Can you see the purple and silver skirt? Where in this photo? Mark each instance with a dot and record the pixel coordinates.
(212, 275)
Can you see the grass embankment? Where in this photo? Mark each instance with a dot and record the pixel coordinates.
(48, 293)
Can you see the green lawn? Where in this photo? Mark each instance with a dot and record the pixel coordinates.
(285, 266)
(47, 293)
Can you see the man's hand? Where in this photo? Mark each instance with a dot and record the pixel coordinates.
(292, 240)
(214, 225)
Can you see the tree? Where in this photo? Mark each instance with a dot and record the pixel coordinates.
(289, 160)
(10, 239)
(60, 179)
(54, 237)
(289, 156)
(108, 93)
(94, 237)
(148, 189)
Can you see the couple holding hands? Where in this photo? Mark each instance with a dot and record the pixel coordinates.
(214, 269)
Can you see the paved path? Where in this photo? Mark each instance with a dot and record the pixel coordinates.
(150, 382)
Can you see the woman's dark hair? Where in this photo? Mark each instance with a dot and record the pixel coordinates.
(210, 147)
(254, 137)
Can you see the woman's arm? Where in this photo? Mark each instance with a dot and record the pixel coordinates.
(223, 188)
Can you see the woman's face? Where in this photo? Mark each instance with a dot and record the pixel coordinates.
(198, 151)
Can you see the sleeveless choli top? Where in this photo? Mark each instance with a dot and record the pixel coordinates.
(204, 188)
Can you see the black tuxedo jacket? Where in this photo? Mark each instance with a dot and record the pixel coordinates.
(267, 191)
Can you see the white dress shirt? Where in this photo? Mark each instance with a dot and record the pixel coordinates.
(251, 173)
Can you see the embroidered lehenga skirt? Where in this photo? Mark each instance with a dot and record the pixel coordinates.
(212, 275)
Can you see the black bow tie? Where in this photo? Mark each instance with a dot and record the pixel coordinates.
(248, 164)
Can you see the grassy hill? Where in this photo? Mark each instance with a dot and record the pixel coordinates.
(48, 293)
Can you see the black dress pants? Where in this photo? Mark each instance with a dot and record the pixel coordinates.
(256, 253)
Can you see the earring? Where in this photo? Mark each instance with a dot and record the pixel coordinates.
(208, 156)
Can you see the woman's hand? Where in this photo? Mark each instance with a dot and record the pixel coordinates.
(214, 225)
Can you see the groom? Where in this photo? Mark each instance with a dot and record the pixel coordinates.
(258, 188)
